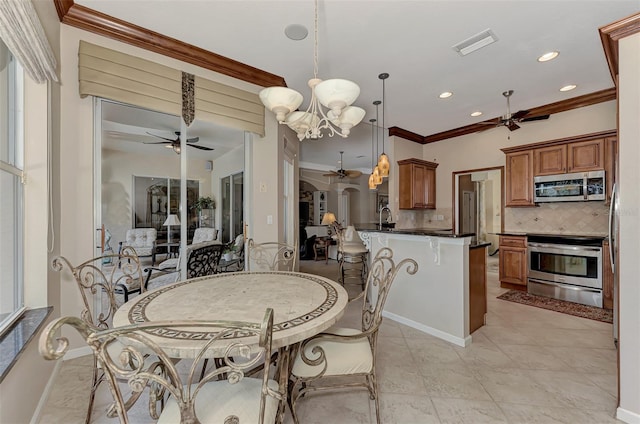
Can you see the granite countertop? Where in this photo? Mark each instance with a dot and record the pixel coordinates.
(434, 232)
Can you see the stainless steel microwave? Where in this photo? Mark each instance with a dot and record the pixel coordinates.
(580, 186)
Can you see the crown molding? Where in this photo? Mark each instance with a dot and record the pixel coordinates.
(90, 20)
(610, 34)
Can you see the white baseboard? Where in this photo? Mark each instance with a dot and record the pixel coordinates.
(627, 416)
(464, 342)
(35, 418)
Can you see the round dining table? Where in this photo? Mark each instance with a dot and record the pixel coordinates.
(303, 305)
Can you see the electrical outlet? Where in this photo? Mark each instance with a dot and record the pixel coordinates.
(269, 219)
(439, 217)
(263, 187)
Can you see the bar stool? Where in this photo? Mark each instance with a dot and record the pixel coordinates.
(352, 256)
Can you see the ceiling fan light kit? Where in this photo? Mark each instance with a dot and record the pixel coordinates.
(337, 95)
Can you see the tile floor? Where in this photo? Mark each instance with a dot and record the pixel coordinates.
(527, 365)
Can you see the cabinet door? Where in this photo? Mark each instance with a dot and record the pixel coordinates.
(550, 160)
(513, 265)
(585, 156)
(430, 189)
(519, 174)
(419, 186)
(405, 186)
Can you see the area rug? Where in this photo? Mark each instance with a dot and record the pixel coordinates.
(570, 308)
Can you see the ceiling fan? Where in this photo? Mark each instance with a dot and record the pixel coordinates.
(175, 144)
(511, 121)
(341, 173)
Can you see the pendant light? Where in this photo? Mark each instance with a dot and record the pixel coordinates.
(337, 95)
(383, 160)
(377, 178)
(372, 183)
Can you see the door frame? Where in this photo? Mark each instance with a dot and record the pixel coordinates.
(454, 195)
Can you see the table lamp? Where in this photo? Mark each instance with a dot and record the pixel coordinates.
(171, 220)
(329, 219)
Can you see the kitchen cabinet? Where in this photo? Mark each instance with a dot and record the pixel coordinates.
(582, 156)
(607, 277)
(519, 179)
(417, 184)
(513, 262)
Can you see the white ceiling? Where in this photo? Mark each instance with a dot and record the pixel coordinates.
(410, 40)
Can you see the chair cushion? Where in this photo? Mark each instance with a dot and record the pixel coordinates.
(219, 399)
(204, 234)
(343, 357)
(353, 248)
(141, 237)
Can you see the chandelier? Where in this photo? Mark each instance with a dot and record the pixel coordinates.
(337, 95)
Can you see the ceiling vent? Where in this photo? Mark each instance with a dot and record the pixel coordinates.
(475, 42)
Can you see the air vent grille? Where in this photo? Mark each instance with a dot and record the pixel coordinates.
(475, 42)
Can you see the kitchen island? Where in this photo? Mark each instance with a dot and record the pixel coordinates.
(442, 296)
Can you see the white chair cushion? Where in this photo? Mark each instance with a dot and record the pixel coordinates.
(163, 280)
(343, 357)
(169, 264)
(141, 237)
(219, 399)
(204, 234)
(354, 248)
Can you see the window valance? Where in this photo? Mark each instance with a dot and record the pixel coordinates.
(118, 76)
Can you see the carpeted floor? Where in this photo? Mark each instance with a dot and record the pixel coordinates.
(571, 308)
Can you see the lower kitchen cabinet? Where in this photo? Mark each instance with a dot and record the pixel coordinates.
(513, 262)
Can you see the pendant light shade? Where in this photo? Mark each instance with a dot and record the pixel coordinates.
(372, 179)
(383, 160)
(377, 178)
(336, 94)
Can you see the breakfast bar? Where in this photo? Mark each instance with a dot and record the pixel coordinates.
(437, 299)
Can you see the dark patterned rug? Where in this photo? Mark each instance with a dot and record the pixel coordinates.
(570, 308)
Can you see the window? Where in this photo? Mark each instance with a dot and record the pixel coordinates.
(11, 180)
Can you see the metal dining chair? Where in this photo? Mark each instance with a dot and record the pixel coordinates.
(271, 256)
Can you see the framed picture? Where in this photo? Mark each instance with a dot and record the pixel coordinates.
(383, 200)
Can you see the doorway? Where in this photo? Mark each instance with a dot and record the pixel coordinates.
(478, 204)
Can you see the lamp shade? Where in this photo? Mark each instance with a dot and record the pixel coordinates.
(377, 178)
(349, 118)
(281, 101)
(372, 182)
(336, 94)
(328, 218)
(171, 220)
(383, 165)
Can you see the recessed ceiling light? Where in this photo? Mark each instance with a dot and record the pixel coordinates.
(296, 32)
(568, 87)
(476, 113)
(445, 94)
(548, 56)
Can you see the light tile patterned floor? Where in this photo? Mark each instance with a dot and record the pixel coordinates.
(527, 365)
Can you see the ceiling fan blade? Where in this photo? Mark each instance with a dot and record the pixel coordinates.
(519, 114)
(352, 173)
(193, 140)
(331, 174)
(200, 147)
(164, 138)
(512, 125)
(535, 118)
(157, 142)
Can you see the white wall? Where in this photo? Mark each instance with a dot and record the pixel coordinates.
(629, 240)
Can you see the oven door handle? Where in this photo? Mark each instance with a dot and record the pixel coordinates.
(558, 249)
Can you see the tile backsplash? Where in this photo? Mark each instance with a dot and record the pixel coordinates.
(425, 219)
(583, 218)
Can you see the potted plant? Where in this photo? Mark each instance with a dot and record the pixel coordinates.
(204, 203)
(227, 253)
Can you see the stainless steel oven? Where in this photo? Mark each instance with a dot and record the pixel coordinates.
(568, 268)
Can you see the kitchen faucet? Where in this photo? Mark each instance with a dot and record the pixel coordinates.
(380, 215)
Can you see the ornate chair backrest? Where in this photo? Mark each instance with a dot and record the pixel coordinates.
(381, 275)
(271, 256)
(121, 352)
(105, 277)
(203, 259)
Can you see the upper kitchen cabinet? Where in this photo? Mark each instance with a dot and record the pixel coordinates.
(581, 156)
(589, 152)
(519, 179)
(417, 184)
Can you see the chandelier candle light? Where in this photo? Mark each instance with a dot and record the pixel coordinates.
(335, 94)
(383, 160)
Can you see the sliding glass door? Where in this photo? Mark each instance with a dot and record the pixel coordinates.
(232, 206)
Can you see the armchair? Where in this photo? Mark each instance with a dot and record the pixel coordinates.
(202, 259)
(143, 240)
